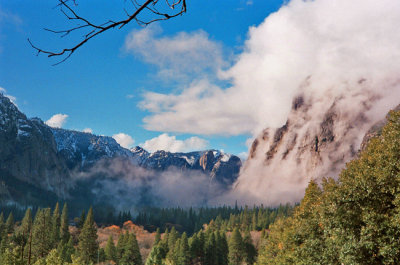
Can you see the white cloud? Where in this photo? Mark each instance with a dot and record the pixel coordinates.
(243, 155)
(171, 144)
(12, 98)
(129, 96)
(179, 56)
(334, 42)
(88, 130)
(57, 120)
(124, 140)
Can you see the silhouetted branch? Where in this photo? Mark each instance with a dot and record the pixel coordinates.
(177, 7)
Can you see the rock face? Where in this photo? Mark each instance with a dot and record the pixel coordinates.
(82, 150)
(39, 161)
(28, 153)
(221, 167)
(318, 138)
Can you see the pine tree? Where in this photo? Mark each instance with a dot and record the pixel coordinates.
(222, 248)
(77, 260)
(172, 237)
(88, 246)
(55, 225)
(211, 255)
(53, 258)
(23, 233)
(10, 223)
(122, 239)
(110, 250)
(155, 257)
(236, 253)
(8, 257)
(66, 250)
(41, 244)
(157, 237)
(131, 253)
(250, 250)
(82, 219)
(184, 251)
(64, 225)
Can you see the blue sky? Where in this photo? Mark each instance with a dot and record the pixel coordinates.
(103, 86)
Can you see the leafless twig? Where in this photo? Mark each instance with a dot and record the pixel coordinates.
(177, 8)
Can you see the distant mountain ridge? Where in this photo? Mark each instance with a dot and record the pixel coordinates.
(40, 161)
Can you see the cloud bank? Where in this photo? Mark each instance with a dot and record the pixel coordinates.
(57, 120)
(171, 144)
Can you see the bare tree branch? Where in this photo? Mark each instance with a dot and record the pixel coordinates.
(94, 29)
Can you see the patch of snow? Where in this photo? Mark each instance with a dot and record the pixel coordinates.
(23, 133)
(190, 160)
(225, 157)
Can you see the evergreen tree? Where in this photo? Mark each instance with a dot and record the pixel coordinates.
(184, 251)
(122, 240)
(64, 225)
(81, 220)
(55, 225)
(131, 253)
(10, 223)
(66, 250)
(250, 250)
(21, 237)
(211, 255)
(110, 250)
(41, 244)
(77, 260)
(88, 246)
(172, 237)
(155, 257)
(157, 237)
(222, 248)
(8, 257)
(236, 253)
(53, 258)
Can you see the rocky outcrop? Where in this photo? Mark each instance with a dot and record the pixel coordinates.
(320, 136)
(28, 151)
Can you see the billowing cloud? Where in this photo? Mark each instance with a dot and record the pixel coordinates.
(171, 144)
(57, 120)
(124, 140)
(178, 56)
(88, 130)
(332, 41)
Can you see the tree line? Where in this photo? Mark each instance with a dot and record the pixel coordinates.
(46, 240)
(225, 217)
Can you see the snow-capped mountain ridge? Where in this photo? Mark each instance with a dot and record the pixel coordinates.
(42, 159)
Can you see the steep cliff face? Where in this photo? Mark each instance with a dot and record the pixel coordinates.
(28, 151)
(320, 135)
